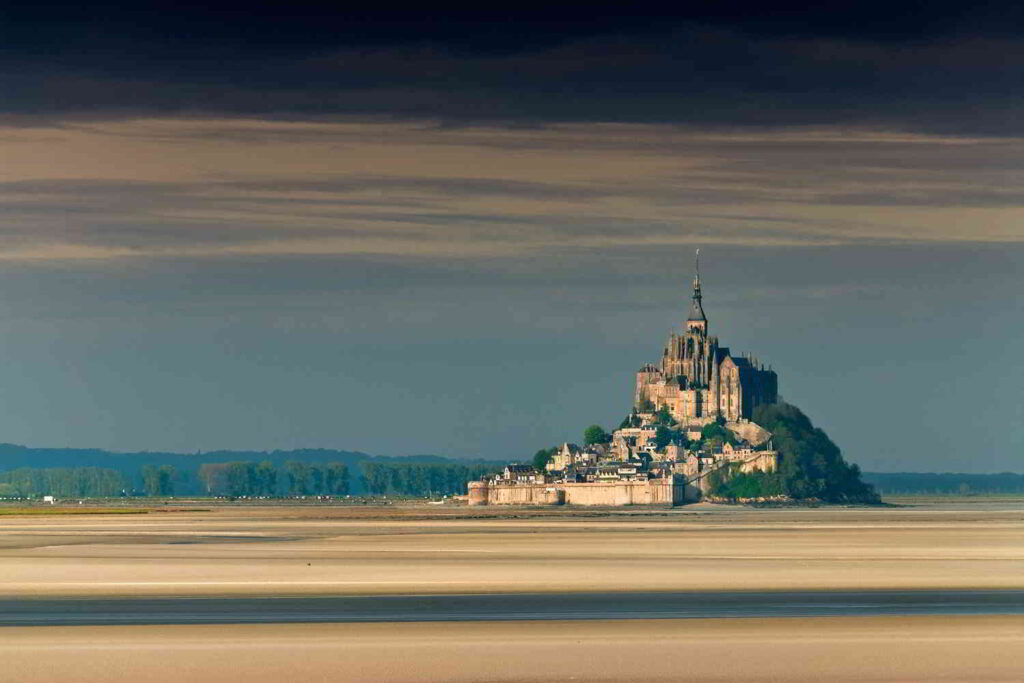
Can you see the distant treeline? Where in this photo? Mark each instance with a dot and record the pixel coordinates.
(421, 479)
(161, 473)
(945, 482)
(244, 479)
(64, 482)
(294, 478)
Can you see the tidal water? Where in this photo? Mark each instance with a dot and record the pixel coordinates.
(502, 607)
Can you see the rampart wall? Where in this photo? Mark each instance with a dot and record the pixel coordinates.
(765, 461)
(667, 491)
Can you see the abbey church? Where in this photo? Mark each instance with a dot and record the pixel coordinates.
(697, 378)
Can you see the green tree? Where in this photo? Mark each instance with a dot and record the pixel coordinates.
(456, 478)
(266, 478)
(376, 477)
(298, 477)
(435, 480)
(316, 479)
(714, 434)
(240, 478)
(595, 434)
(664, 417)
(542, 457)
(165, 480)
(662, 437)
(336, 479)
(213, 477)
(399, 478)
(151, 480)
(420, 483)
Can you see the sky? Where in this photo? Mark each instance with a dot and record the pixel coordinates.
(284, 225)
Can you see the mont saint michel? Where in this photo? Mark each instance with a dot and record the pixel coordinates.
(348, 343)
(692, 420)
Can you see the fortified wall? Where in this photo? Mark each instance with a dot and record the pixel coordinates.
(662, 491)
(698, 470)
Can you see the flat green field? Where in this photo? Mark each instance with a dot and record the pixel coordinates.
(50, 510)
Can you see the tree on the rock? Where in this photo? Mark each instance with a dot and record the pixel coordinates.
(714, 433)
(664, 417)
(542, 457)
(662, 437)
(595, 434)
(811, 465)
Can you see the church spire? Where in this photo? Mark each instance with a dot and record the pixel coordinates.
(696, 269)
(696, 309)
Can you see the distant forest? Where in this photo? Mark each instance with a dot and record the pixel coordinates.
(945, 482)
(82, 473)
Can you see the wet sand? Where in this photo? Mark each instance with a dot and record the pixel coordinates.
(334, 550)
(827, 649)
(278, 551)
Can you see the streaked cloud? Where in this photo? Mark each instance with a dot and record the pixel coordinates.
(192, 187)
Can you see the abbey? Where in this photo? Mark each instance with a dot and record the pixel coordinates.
(697, 378)
(691, 418)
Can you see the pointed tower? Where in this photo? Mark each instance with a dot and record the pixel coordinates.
(694, 342)
(696, 320)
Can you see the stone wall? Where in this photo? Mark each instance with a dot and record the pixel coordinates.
(667, 491)
(765, 461)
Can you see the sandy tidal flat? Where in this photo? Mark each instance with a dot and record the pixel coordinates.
(235, 551)
(828, 649)
(331, 550)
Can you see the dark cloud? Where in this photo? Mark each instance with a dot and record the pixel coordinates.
(269, 26)
(929, 67)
